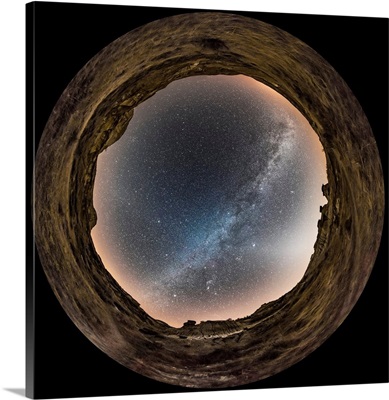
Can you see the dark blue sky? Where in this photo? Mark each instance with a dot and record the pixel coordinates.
(207, 206)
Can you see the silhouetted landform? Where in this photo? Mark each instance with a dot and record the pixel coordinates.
(93, 113)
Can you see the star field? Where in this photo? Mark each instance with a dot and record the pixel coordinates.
(208, 205)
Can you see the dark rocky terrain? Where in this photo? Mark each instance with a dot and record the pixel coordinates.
(93, 113)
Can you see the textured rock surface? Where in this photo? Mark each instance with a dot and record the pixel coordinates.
(93, 113)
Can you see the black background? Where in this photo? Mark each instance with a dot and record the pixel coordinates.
(65, 37)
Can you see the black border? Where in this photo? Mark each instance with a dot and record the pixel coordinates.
(61, 362)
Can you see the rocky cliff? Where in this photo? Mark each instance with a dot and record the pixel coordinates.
(93, 112)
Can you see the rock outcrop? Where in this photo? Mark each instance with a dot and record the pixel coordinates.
(93, 113)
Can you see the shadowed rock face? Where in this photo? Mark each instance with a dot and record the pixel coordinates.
(93, 113)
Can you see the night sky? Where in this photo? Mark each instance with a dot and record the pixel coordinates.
(208, 205)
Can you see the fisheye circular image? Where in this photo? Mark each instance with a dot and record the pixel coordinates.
(208, 200)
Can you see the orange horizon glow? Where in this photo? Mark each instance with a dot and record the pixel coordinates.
(302, 251)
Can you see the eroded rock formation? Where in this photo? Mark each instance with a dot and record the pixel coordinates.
(93, 113)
